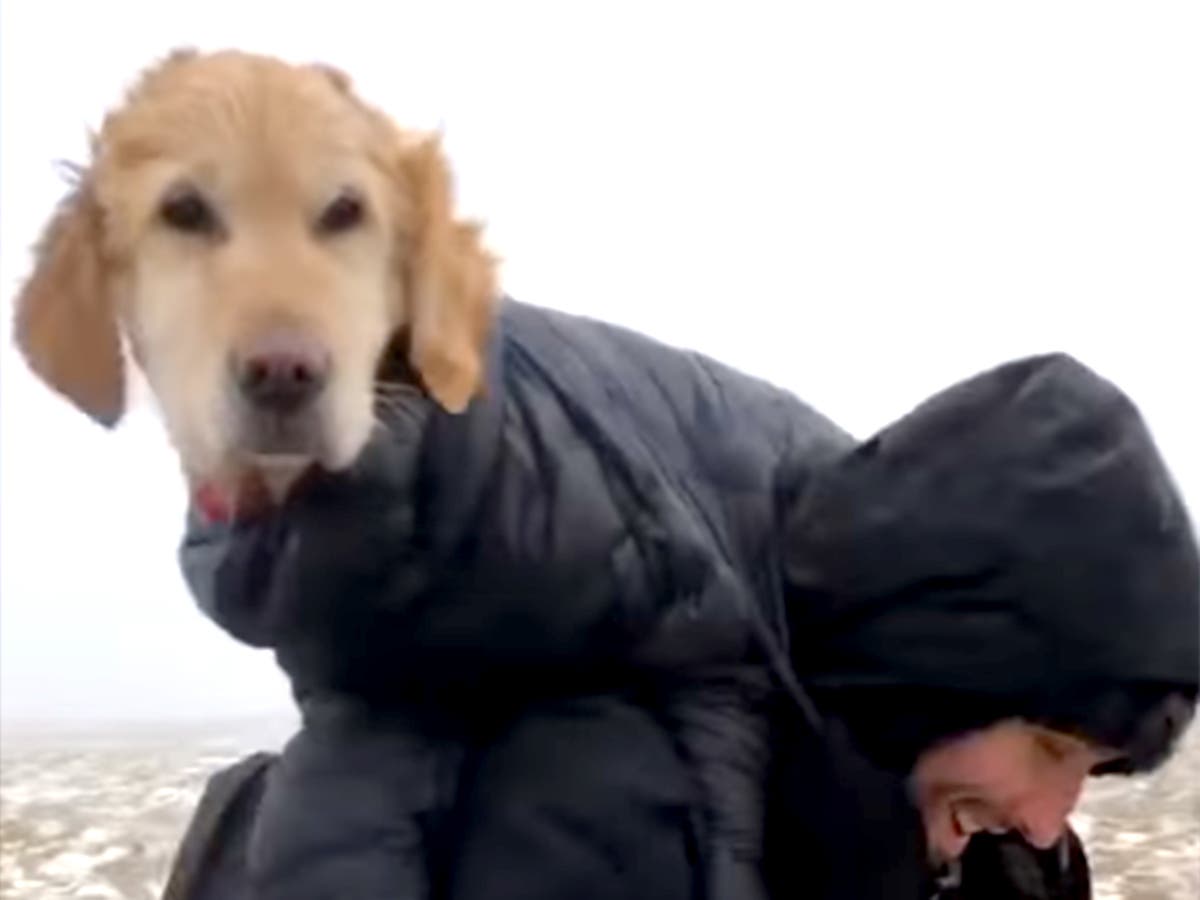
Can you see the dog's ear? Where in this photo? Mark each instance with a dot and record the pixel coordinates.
(65, 323)
(449, 280)
(341, 82)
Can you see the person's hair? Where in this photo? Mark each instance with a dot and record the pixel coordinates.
(894, 725)
(1143, 723)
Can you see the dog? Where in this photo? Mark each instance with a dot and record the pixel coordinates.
(252, 235)
(268, 247)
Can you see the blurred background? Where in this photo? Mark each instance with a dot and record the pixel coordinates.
(862, 202)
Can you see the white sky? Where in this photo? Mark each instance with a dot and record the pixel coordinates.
(860, 201)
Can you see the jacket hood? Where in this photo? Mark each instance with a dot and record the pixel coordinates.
(1015, 546)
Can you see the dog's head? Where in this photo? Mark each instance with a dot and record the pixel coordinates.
(256, 235)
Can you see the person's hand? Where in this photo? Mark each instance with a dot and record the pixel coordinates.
(1006, 867)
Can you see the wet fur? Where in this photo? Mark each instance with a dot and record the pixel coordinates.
(270, 142)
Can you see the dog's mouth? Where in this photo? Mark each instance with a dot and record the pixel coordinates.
(274, 445)
(281, 438)
(281, 472)
(273, 451)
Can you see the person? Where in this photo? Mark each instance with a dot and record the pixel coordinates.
(567, 644)
(997, 596)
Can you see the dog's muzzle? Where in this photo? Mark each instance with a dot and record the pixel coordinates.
(279, 378)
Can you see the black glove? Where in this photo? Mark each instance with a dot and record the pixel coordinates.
(1005, 867)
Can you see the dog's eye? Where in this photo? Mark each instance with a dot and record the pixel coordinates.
(345, 212)
(186, 210)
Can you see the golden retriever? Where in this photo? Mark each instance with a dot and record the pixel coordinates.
(255, 234)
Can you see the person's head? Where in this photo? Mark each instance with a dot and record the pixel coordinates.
(1000, 595)
(1018, 763)
(1010, 776)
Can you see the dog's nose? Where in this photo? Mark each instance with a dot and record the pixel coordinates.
(282, 370)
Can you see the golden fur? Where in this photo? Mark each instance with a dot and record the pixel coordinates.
(268, 145)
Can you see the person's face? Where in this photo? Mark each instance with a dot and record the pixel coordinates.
(1013, 776)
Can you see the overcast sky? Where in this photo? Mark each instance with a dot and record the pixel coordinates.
(862, 202)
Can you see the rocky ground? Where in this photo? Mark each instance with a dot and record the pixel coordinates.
(1143, 834)
(97, 812)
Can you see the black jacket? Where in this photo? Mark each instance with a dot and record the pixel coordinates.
(539, 647)
(586, 565)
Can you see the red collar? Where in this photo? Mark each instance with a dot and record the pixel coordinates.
(213, 503)
(226, 503)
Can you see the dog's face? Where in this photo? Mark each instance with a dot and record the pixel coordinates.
(258, 235)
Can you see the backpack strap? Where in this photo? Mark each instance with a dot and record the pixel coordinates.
(211, 860)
